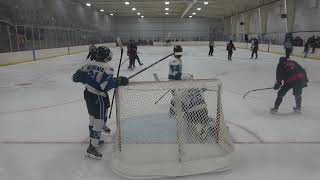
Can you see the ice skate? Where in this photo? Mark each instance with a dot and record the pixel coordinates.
(106, 129)
(92, 152)
(101, 143)
(296, 109)
(273, 110)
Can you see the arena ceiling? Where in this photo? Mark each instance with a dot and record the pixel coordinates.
(177, 8)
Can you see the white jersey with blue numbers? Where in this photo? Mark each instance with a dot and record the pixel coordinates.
(175, 69)
(99, 77)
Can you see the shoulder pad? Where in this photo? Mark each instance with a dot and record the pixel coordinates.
(108, 69)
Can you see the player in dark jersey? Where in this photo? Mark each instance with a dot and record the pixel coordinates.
(230, 49)
(290, 75)
(254, 48)
(132, 54)
(92, 52)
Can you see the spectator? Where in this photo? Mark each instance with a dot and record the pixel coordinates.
(313, 43)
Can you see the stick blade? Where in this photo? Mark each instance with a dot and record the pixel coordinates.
(246, 94)
(155, 76)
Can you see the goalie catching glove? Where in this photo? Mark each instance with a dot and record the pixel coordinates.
(123, 81)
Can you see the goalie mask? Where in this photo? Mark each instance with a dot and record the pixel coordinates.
(103, 54)
(177, 49)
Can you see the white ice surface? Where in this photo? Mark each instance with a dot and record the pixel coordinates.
(43, 118)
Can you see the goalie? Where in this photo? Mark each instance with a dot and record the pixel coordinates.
(189, 102)
(190, 105)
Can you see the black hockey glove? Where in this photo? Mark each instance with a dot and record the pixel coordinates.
(79, 76)
(123, 81)
(277, 85)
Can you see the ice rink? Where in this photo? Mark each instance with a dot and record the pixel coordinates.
(44, 121)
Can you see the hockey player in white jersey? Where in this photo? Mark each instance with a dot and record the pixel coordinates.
(175, 65)
(98, 78)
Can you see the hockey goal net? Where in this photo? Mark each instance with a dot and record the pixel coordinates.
(171, 128)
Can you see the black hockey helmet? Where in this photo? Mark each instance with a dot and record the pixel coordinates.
(282, 59)
(177, 49)
(103, 54)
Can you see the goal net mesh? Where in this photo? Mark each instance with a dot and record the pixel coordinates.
(171, 128)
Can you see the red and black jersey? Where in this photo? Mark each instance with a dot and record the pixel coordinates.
(290, 71)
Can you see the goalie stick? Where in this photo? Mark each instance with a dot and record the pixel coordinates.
(253, 90)
(155, 76)
(162, 97)
(120, 44)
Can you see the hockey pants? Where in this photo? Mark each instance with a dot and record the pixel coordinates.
(254, 52)
(230, 55)
(296, 87)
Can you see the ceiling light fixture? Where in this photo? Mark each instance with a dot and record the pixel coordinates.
(142, 16)
(194, 13)
(167, 9)
(138, 13)
(133, 9)
(206, 2)
(101, 10)
(166, 2)
(166, 13)
(88, 4)
(190, 16)
(111, 14)
(199, 9)
(127, 3)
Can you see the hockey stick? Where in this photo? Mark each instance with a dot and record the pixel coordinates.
(157, 79)
(262, 89)
(155, 76)
(162, 97)
(114, 92)
(150, 66)
(124, 61)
